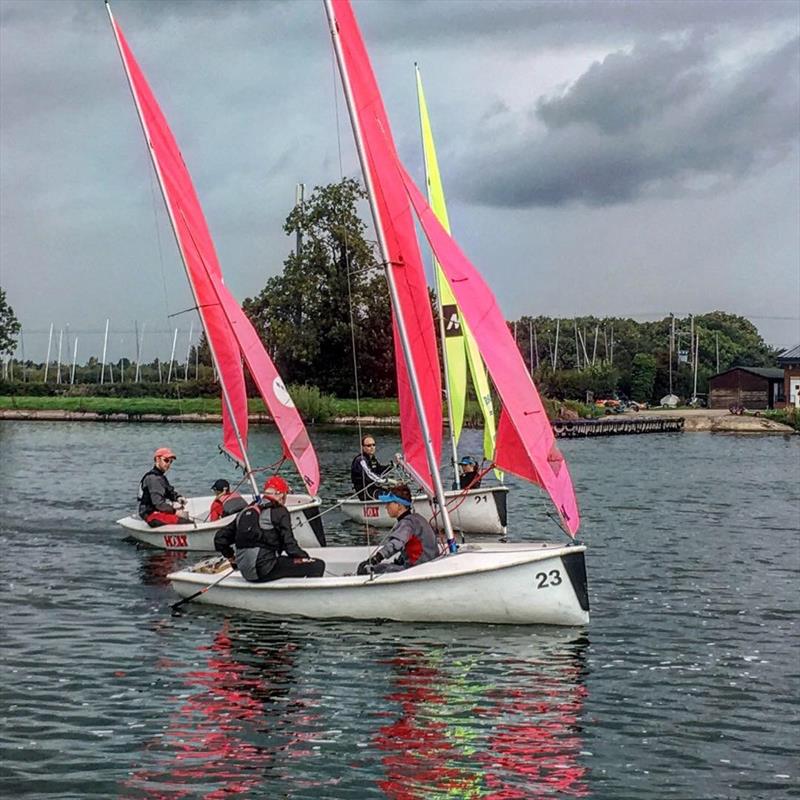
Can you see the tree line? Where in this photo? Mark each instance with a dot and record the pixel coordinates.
(325, 319)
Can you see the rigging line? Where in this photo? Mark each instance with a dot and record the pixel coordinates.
(347, 258)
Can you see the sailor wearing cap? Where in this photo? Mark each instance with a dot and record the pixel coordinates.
(412, 539)
(470, 477)
(159, 503)
(225, 501)
(262, 534)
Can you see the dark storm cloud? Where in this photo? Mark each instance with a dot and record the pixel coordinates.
(645, 122)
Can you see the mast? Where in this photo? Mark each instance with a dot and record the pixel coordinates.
(398, 311)
(173, 222)
(437, 278)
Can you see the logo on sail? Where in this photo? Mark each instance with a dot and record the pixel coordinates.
(281, 395)
(452, 322)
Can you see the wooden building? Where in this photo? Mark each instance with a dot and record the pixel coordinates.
(752, 387)
(789, 360)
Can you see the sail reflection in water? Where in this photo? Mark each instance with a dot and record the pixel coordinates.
(239, 728)
(336, 710)
(466, 731)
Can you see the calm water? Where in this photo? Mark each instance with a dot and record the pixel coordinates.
(685, 684)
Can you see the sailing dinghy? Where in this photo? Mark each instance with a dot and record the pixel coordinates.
(231, 338)
(523, 583)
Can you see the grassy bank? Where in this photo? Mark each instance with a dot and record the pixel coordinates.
(786, 416)
(311, 406)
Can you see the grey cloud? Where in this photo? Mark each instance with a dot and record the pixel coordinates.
(642, 123)
(627, 88)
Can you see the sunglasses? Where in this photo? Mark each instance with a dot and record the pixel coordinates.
(167, 458)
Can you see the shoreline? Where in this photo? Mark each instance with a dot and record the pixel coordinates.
(695, 420)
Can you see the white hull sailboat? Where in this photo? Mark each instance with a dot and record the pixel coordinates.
(526, 583)
(199, 536)
(475, 511)
(514, 584)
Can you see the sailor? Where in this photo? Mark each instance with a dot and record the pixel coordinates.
(411, 539)
(225, 501)
(366, 472)
(262, 534)
(470, 477)
(159, 503)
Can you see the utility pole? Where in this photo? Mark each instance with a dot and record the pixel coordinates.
(671, 347)
(555, 349)
(74, 361)
(60, 343)
(172, 355)
(105, 349)
(612, 346)
(22, 354)
(47, 360)
(696, 352)
(536, 348)
(139, 348)
(691, 338)
(716, 342)
(530, 344)
(189, 350)
(299, 199)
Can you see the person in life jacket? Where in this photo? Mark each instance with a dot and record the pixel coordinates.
(225, 501)
(366, 472)
(469, 478)
(159, 503)
(412, 538)
(262, 534)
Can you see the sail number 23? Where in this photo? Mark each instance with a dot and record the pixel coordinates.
(545, 579)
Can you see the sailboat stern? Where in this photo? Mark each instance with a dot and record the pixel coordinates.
(575, 567)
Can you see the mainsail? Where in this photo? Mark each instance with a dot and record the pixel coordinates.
(230, 333)
(525, 442)
(397, 222)
(459, 344)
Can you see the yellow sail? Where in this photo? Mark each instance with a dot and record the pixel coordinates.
(459, 344)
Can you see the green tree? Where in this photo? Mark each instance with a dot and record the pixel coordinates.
(304, 314)
(643, 377)
(9, 326)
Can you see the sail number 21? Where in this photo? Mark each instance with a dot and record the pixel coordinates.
(545, 579)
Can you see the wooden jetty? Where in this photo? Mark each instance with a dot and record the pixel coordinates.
(578, 428)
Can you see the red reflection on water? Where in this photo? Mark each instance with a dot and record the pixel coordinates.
(156, 566)
(420, 752)
(531, 741)
(538, 741)
(221, 740)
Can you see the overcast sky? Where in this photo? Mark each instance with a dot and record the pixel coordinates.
(625, 159)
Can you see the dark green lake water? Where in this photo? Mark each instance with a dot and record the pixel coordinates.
(685, 684)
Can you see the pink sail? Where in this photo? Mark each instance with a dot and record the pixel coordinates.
(397, 222)
(196, 247)
(296, 443)
(525, 445)
(227, 327)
